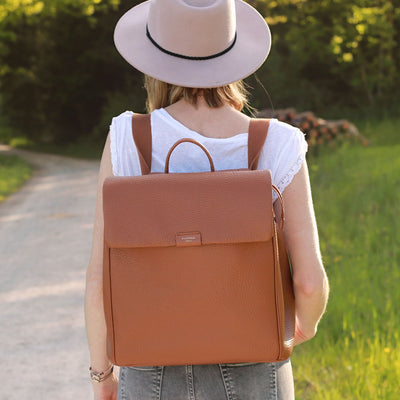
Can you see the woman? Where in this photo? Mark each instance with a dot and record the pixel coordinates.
(194, 54)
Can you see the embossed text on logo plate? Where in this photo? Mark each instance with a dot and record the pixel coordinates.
(188, 239)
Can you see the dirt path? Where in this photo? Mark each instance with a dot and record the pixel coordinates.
(45, 242)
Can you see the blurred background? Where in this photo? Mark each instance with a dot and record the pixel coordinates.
(62, 79)
(334, 71)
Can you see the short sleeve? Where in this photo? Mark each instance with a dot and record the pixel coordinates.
(124, 155)
(283, 153)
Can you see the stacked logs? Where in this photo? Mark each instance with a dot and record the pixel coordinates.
(317, 131)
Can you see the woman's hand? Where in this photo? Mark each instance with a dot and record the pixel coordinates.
(107, 389)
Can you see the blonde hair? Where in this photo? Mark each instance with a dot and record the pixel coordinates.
(161, 94)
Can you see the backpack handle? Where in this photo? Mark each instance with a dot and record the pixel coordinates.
(189, 141)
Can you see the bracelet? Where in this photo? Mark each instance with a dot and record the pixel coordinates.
(100, 376)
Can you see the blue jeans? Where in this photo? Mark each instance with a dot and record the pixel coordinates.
(244, 381)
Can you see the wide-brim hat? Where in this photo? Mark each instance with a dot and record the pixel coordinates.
(194, 43)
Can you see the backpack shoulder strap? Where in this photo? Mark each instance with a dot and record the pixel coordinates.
(258, 131)
(141, 132)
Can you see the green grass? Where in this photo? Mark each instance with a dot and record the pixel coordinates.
(356, 191)
(13, 173)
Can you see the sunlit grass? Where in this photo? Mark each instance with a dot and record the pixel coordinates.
(356, 190)
(13, 173)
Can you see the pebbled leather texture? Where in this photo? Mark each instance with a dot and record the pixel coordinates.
(225, 207)
(195, 269)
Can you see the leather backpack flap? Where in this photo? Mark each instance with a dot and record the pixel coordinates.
(224, 207)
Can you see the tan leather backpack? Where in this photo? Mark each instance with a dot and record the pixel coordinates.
(195, 267)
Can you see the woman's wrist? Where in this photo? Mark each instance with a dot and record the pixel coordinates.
(100, 362)
(101, 375)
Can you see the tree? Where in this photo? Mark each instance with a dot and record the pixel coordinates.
(334, 52)
(59, 66)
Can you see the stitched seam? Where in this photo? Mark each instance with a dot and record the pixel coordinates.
(227, 380)
(161, 377)
(158, 383)
(189, 380)
(272, 384)
(122, 383)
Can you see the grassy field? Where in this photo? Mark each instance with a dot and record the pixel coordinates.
(13, 173)
(356, 191)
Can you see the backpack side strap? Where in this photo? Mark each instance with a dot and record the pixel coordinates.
(141, 132)
(258, 131)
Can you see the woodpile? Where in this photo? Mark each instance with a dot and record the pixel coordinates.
(317, 131)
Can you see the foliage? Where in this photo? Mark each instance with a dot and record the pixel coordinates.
(356, 353)
(333, 52)
(61, 77)
(59, 66)
(13, 173)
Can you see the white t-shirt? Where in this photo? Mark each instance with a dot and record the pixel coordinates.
(283, 152)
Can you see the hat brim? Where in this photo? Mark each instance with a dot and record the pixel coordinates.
(252, 46)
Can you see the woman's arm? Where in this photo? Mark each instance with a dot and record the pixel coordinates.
(310, 282)
(94, 313)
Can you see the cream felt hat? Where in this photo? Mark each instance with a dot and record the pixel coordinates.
(194, 43)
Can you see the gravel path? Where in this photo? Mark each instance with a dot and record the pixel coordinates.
(45, 242)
